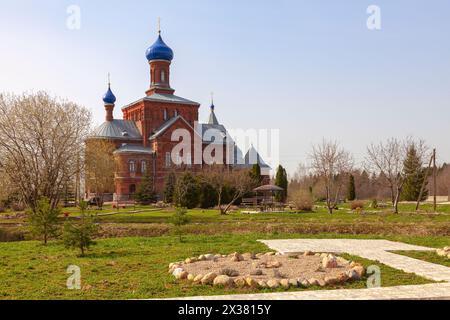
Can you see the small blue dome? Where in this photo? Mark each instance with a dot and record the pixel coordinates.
(159, 51)
(109, 97)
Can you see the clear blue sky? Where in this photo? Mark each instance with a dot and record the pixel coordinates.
(310, 68)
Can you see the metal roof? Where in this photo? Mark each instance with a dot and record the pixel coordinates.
(212, 117)
(132, 148)
(210, 131)
(166, 125)
(166, 98)
(268, 187)
(252, 157)
(117, 129)
(159, 51)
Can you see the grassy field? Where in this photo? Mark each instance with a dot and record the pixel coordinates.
(133, 268)
(137, 244)
(148, 221)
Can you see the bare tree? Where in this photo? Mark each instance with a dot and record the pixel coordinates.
(387, 160)
(221, 177)
(100, 167)
(41, 140)
(331, 163)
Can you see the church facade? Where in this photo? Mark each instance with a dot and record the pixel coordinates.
(144, 137)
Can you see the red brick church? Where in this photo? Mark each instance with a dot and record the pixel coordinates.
(144, 137)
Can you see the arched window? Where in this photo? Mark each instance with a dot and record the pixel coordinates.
(132, 166)
(165, 114)
(176, 113)
(143, 166)
(163, 76)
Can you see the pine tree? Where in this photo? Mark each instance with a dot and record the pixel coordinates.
(80, 234)
(255, 174)
(415, 175)
(180, 219)
(43, 220)
(169, 188)
(281, 181)
(145, 193)
(351, 192)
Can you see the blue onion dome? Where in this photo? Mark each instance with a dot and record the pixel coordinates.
(109, 97)
(159, 51)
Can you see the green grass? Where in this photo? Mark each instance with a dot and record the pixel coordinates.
(134, 268)
(148, 221)
(426, 256)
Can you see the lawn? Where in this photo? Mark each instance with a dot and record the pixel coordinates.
(134, 268)
(149, 221)
(426, 256)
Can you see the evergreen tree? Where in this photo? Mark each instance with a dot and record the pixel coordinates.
(179, 219)
(281, 180)
(415, 175)
(351, 192)
(145, 193)
(80, 234)
(255, 174)
(187, 191)
(43, 220)
(169, 188)
(208, 196)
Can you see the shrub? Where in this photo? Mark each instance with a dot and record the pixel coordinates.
(357, 205)
(374, 204)
(17, 206)
(187, 191)
(302, 200)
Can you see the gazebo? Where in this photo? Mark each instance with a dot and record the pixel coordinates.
(267, 201)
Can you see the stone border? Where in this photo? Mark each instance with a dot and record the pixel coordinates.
(176, 269)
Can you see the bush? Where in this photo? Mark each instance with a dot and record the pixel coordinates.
(17, 206)
(374, 204)
(357, 205)
(187, 191)
(208, 196)
(302, 200)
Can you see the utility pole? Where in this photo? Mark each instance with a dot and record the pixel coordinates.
(434, 180)
(427, 175)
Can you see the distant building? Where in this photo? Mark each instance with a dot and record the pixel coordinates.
(144, 137)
